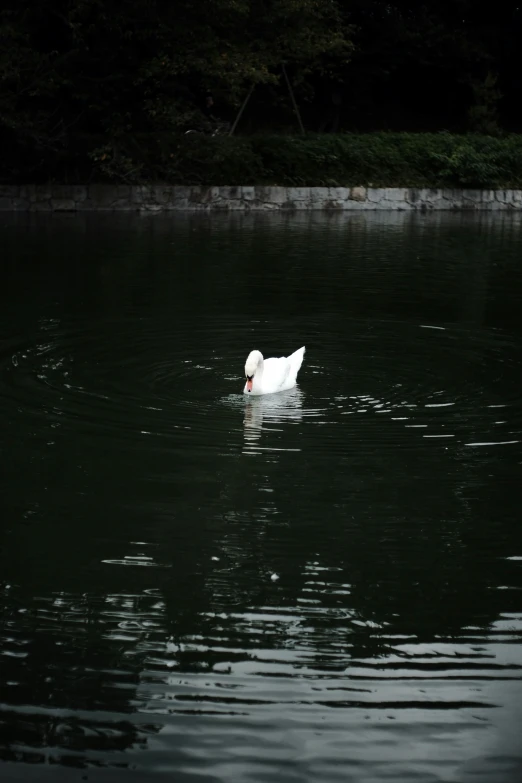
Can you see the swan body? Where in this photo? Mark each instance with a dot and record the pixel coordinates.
(267, 376)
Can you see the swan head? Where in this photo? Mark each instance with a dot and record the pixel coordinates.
(254, 359)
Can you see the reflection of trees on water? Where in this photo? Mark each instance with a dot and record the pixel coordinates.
(399, 524)
(70, 674)
(343, 595)
(452, 262)
(374, 567)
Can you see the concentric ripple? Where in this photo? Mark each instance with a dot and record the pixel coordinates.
(449, 382)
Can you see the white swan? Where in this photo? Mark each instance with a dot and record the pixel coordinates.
(266, 376)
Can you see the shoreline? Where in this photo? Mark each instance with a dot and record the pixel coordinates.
(248, 198)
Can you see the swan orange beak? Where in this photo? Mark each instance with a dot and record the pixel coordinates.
(249, 384)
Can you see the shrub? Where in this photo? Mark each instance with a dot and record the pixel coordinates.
(379, 159)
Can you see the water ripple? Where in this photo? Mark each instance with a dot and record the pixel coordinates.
(319, 585)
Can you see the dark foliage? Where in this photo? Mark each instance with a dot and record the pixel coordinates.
(104, 88)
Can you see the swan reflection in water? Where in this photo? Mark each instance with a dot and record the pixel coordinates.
(265, 412)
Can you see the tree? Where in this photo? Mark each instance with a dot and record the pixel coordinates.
(117, 67)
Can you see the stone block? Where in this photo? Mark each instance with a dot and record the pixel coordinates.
(451, 196)
(79, 193)
(161, 194)
(248, 193)
(195, 195)
(180, 197)
(375, 195)
(40, 193)
(21, 204)
(7, 203)
(319, 197)
(103, 196)
(415, 195)
(277, 194)
(262, 194)
(472, 195)
(298, 194)
(381, 195)
(63, 205)
(487, 196)
(123, 204)
(76, 193)
(337, 194)
(502, 196)
(149, 207)
(10, 191)
(40, 206)
(226, 193)
(141, 194)
(358, 193)
(202, 195)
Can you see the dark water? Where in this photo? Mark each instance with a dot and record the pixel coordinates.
(324, 585)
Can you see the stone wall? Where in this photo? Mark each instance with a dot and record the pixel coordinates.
(157, 198)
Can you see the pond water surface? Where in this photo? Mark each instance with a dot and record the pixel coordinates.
(323, 585)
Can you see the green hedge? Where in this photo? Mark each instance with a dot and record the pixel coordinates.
(382, 159)
(379, 159)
